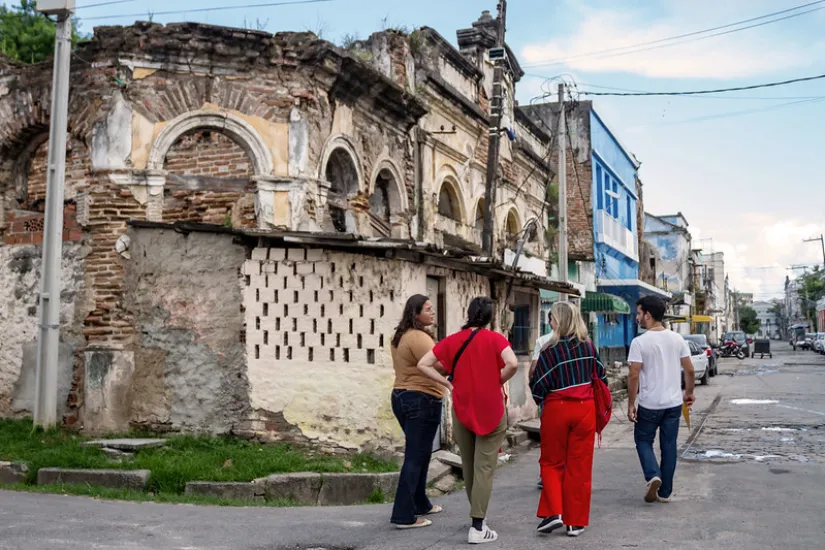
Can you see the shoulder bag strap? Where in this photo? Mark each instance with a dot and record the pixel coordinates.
(460, 351)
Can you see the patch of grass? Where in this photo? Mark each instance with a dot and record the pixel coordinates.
(184, 458)
(377, 497)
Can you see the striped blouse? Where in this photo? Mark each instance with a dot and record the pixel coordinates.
(565, 371)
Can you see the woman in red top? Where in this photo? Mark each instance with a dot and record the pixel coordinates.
(479, 362)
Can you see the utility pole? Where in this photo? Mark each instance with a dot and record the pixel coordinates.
(496, 113)
(821, 240)
(562, 168)
(45, 405)
(736, 310)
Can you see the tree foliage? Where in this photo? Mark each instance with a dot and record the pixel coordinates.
(748, 322)
(26, 35)
(811, 290)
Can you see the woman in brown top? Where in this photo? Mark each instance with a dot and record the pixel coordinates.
(416, 402)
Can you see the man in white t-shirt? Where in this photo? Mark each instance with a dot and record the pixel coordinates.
(657, 359)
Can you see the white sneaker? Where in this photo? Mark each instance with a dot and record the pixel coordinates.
(652, 489)
(482, 537)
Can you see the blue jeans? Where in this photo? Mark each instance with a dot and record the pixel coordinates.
(667, 422)
(419, 415)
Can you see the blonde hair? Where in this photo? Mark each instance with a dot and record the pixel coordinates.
(569, 322)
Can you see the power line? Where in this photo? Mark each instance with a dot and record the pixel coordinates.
(716, 91)
(712, 35)
(737, 113)
(202, 10)
(599, 53)
(100, 5)
(739, 97)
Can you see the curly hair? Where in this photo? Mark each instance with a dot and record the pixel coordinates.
(409, 319)
(480, 313)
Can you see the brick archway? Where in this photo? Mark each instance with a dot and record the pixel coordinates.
(233, 126)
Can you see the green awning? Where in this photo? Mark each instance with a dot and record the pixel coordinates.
(598, 302)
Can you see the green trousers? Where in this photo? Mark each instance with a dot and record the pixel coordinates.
(479, 458)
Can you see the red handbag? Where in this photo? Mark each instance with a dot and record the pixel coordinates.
(603, 399)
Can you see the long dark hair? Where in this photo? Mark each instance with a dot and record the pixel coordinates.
(409, 319)
(480, 313)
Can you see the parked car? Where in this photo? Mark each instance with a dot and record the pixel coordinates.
(808, 342)
(699, 358)
(739, 337)
(819, 342)
(702, 341)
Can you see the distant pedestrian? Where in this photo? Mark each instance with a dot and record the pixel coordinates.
(416, 402)
(657, 359)
(541, 341)
(479, 362)
(563, 383)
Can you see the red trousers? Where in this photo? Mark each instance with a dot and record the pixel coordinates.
(568, 430)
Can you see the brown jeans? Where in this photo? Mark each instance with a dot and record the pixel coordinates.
(479, 458)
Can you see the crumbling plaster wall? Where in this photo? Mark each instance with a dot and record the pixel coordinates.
(19, 295)
(184, 291)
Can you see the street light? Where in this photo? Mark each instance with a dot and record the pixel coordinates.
(45, 404)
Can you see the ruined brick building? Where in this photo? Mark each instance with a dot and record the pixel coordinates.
(245, 216)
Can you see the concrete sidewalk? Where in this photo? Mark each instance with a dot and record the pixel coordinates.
(731, 506)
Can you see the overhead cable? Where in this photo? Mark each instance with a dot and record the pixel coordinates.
(560, 61)
(202, 10)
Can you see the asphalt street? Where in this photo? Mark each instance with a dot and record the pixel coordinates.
(752, 475)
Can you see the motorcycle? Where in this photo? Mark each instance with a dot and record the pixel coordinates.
(731, 349)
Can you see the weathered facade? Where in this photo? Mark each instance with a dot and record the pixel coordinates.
(245, 216)
(673, 265)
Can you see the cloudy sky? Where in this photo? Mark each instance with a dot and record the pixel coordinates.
(742, 167)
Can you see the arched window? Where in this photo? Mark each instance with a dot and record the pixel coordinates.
(341, 173)
(479, 222)
(380, 206)
(195, 152)
(448, 201)
(513, 226)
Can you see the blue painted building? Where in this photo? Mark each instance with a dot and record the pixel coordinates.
(616, 234)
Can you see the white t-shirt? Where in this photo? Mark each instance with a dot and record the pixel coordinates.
(540, 343)
(660, 383)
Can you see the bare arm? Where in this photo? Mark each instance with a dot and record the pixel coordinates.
(427, 365)
(690, 382)
(633, 390)
(532, 369)
(510, 364)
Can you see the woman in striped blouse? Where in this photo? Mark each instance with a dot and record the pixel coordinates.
(562, 382)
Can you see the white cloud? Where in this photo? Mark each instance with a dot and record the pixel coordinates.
(759, 249)
(743, 54)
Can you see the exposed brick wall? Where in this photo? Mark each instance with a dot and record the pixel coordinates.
(579, 208)
(110, 208)
(78, 170)
(27, 227)
(237, 209)
(208, 153)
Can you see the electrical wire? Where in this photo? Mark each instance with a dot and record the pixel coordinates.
(716, 91)
(100, 5)
(202, 10)
(728, 97)
(710, 35)
(560, 61)
(732, 114)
